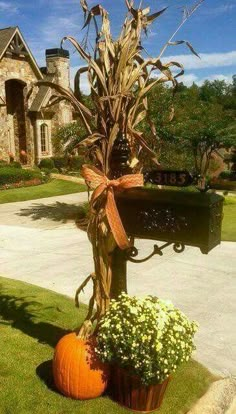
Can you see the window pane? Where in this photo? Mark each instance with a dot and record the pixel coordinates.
(44, 137)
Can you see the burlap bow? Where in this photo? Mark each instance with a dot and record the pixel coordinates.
(100, 183)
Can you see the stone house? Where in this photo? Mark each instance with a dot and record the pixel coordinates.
(29, 128)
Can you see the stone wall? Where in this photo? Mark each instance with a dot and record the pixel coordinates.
(22, 69)
(60, 68)
(63, 115)
(19, 69)
(5, 145)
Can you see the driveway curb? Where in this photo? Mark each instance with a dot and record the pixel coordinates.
(219, 399)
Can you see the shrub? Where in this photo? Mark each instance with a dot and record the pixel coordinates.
(36, 168)
(10, 175)
(233, 175)
(233, 157)
(75, 163)
(15, 164)
(228, 185)
(47, 163)
(60, 162)
(46, 171)
(225, 175)
(29, 183)
(68, 162)
(55, 171)
(149, 337)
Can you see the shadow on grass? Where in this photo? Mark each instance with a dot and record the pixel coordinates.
(61, 212)
(44, 372)
(23, 312)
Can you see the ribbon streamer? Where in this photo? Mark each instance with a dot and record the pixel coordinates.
(101, 184)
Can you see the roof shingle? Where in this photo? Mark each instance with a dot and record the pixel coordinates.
(5, 37)
(41, 95)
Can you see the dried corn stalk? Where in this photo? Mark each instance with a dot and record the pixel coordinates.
(120, 79)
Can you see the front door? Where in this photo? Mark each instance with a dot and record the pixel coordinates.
(16, 110)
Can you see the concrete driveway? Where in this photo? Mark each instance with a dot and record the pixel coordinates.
(40, 244)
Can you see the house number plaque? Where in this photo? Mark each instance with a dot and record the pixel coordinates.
(169, 178)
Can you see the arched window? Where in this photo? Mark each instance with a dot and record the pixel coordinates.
(44, 137)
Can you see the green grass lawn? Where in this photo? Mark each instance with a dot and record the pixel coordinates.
(229, 220)
(31, 322)
(50, 189)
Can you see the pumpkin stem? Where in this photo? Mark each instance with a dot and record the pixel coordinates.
(85, 331)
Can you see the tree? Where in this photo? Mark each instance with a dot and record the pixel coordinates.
(229, 100)
(67, 137)
(203, 120)
(154, 126)
(214, 91)
(201, 127)
(161, 112)
(218, 91)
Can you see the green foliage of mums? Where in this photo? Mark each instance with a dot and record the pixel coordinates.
(147, 336)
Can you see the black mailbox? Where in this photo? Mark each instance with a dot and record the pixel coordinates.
(188, 218)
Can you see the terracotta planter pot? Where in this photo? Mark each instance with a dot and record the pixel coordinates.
(128, 391)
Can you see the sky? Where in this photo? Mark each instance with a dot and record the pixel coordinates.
(211, 30)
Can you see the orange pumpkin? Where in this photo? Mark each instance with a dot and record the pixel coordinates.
(77, 371)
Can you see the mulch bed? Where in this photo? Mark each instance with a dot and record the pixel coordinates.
(20, 184)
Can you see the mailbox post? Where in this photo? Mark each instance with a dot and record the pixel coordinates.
(119, 166)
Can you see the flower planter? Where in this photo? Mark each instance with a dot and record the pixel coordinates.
(128, 391)
(150, 338)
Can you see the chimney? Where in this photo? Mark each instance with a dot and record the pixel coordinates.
(58, 64)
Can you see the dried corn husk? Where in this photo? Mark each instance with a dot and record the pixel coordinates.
(120, 80)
